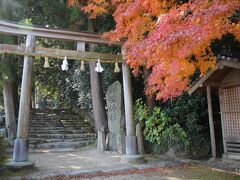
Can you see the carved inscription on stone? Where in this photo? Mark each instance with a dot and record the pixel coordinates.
(115, 117)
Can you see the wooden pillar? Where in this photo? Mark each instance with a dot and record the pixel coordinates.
(131, 139)
(20, 153)
(211, 123)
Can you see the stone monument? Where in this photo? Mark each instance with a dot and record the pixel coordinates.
(116, 121)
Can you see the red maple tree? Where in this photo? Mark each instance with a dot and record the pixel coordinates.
(172, 37)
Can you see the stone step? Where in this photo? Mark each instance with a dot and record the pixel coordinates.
(79, 128)
(66, 136)
(43, 119)
(61, 131)
(36, 123)
(45, 111)
(34, 128)
(55, 118)
(47, 127)
(44, 122)
(41, 115)
(70, 118)
(54, 129)
(59, 128)
(61, 145)
(75, 124)
(44, 116)
(40, 141)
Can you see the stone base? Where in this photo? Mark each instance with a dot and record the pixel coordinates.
(20, 165)
(133, 159)
(20, 152)
(131, 145)
(212, 159)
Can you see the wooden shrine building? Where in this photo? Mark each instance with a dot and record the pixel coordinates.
(226, 79)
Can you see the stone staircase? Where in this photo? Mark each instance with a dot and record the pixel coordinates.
(52, 129)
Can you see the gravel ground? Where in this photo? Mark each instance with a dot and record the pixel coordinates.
(90, 161)
(91, 164)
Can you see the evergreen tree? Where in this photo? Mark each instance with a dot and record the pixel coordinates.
(9, 74)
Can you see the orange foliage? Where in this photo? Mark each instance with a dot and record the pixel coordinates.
(71, 2)
(172, 38)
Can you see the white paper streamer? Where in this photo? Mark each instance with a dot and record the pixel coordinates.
(46, 63)
(116, 69)
(99, 68)
(64, 65)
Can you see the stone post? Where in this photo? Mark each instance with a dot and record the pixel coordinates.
(21, 145)
(131, 138)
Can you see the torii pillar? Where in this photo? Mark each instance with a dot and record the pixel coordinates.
(132, 155)
(21, 145)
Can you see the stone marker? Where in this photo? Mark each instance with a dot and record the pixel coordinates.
(116, 135)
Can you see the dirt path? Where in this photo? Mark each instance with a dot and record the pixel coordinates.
(91, 164)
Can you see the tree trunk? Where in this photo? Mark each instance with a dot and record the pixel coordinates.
(10, 118)
(100, 116)
(151, 100)
(99, 111)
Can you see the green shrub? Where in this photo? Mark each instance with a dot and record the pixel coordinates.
(159, 130)
(190, 112)
(181, 123)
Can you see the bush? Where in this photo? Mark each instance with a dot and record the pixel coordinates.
(159, 130)
(181, 124)
(191, 114)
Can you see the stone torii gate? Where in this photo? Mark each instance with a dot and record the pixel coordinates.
(30, 50)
